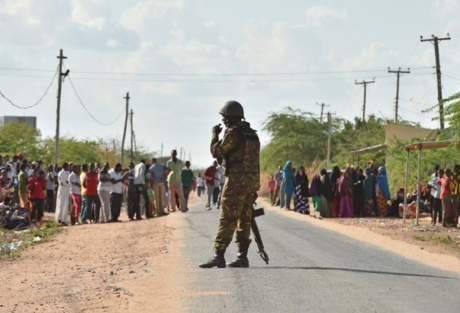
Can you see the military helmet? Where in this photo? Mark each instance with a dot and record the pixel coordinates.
(232, 108)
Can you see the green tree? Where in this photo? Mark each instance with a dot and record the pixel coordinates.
(18, 137)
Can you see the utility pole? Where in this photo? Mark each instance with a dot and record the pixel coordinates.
(124, 130)
(364, 83)
(329, 123)
(435, 41)
(161, 155)
(322, 105)
(132, 135)
(61, 57)
(398, 74)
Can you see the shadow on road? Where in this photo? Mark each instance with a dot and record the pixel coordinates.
(352, 270)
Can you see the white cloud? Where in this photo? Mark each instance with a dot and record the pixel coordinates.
(324, 16)
(87, 14)
(447, 7)
(209, 24)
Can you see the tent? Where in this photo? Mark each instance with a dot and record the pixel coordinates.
(421, 146)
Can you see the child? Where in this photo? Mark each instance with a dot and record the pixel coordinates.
(271, 188)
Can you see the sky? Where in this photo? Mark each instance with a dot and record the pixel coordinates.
(182, 60)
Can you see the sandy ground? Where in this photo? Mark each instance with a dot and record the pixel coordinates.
(116, 267)
(394, 236)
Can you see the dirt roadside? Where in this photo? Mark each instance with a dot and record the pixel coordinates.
(115, 267)
(394, 236)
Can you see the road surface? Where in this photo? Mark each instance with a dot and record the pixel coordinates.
(311, 270)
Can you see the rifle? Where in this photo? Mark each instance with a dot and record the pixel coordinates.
(255, 231)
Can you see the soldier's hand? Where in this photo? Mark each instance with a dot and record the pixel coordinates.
(217, 129)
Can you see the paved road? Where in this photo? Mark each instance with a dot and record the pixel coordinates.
(311, 270)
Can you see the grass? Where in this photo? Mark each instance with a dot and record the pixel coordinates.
(432, 237)
(49, 229)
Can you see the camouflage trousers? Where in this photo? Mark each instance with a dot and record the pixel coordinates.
(238, 196)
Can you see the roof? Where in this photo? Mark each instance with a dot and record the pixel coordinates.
(431, 145)
(368, 150)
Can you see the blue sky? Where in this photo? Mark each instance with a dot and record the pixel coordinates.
(181, 60)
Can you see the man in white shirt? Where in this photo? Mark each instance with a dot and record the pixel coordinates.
(75, 194)
(63, 194)
(116, 196)
(139, 183)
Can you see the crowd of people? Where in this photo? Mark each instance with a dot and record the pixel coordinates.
(364, 193)
(94, 193)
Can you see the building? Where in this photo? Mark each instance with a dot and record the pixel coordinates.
(29, 120)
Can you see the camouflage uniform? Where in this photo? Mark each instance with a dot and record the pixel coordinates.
(239, 149)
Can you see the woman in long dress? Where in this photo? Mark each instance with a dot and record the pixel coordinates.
(326, 196)
(345, 189)
(335, 175)
(301, 192)
(289, 184)
(316, 187)
(63, 195)
(382, 191)
(368, 193)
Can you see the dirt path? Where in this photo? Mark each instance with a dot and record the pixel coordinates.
(116, 267)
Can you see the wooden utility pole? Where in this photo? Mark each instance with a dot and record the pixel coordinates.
(161, 155)
(329, 123)
(435, 41)
(132, 135)
(124, 130)
(398, 74)
(61, 57)
(364, 83)
(322, 110)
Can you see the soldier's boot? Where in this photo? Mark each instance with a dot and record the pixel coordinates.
(217, 260)
(241, 258)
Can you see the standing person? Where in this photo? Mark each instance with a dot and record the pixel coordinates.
(382, 191)
(316, 187)
(326, 195)
(289, 184)
(200, 185)
(436, 204)
(37, 186)
(345, 189)
(174, 181)
(139, 183)
(158, 173)
(240, 148)
(209, 177)
(216, 190)
(103, 189)
(116, 195)
(63, 195)
(456, 194)
(23, 181)
(131, 195)
(358, 201)
(335, 175)
(51, 177)
(302, 192)
(368, 194)
(90, 182)
(187, 181)
(221, 172)
(446, 198)
(278, 179)
(271, 188)
(84, 202)
(75, 194)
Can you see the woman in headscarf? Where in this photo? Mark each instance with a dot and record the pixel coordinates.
(315, 193)
(302, 193)
(326, 196)
(289, 184)
(345, 190)
(335, 175)
(368, 193)
(382, 191)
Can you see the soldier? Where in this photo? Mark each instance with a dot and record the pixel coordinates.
(239, 150)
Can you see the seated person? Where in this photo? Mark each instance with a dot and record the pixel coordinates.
(396, 201)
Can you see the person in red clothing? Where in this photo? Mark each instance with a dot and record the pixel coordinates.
(446, 198)
(209, 177)
(93, 201)
(37, 187)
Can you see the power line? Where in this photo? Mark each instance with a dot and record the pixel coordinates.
(207, 75)
(89, 113)
(39, 100)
